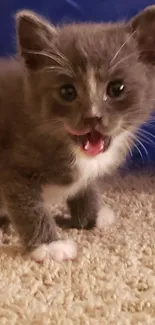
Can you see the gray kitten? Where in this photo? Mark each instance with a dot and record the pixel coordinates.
(70, 108)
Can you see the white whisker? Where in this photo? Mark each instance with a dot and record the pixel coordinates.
(120, 49)
(50, 56)
(129, 149)
(139, 151)
(141, 144)
(146, 140)
(59, 70)
(134, 139)
(148, 133)
(56, 57)
(122, 60)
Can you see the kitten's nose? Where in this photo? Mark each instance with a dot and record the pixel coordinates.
(93, 121)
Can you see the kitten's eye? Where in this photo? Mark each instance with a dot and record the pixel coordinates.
(115, 88)
(68, 93)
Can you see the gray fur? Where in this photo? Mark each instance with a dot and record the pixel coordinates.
(36, 150)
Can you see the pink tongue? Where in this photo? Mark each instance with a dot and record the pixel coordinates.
(93, 142)
(93, 145)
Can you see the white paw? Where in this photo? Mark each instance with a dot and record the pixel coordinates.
(105, 218)
(59, 250)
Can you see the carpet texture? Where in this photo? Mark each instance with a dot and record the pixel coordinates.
(112, 282)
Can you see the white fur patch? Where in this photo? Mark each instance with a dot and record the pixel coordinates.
(89, 169)
(59, 251)
(92, 86)
(105, 218)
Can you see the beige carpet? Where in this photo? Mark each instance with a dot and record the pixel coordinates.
(112, 282)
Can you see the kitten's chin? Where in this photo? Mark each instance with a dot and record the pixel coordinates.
(91, 142)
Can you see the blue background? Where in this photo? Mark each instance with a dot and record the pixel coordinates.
(76, 10)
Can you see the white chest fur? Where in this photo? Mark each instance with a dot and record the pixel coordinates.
(89, 169)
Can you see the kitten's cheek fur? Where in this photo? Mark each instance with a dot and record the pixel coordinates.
(105, 218)
(60, 250)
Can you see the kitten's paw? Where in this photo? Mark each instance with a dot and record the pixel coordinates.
(59, 251)
(63, 250)
(105, 218)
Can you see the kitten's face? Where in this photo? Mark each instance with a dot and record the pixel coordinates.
(91, 79)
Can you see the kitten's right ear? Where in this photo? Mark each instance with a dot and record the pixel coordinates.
(143, 28)
(35, 35)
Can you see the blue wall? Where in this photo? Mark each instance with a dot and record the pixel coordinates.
(77, 10)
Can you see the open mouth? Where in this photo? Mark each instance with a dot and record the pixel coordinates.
(91, 142)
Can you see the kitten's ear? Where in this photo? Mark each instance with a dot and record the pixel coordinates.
(34, 35)
(143, 28)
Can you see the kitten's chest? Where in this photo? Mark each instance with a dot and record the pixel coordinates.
(87, 169)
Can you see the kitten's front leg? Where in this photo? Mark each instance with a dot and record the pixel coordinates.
(86, 211)
(34, 224)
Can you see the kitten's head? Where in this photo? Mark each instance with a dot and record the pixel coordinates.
(96, 82)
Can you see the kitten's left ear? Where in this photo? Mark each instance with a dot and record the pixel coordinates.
(34, 35)
(143, 29)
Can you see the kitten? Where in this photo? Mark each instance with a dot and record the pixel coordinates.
(70, 108)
